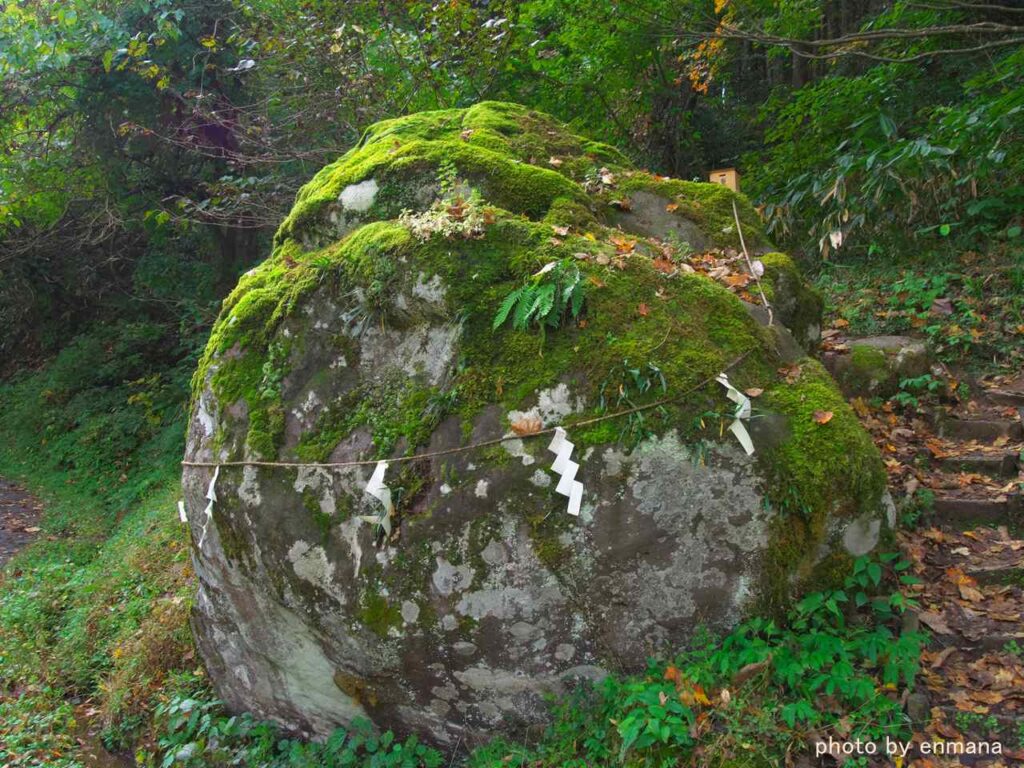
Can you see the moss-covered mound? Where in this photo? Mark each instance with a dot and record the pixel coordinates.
(465, 278)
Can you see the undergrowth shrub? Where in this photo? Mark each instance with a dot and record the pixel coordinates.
(880, 161)
(96, 608)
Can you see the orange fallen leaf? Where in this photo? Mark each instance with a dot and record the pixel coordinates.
(736, 280)
(860, 407)
(664, 266)
(753, 392)
(643, 310)
(555, 162)
(987, 697)
(822, 417)
(672, 207)
(790, 372)
(530, 426)
(623, 244)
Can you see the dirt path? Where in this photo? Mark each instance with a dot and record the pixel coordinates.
(19, 519)
(20, 513)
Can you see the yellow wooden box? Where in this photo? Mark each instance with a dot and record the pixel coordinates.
(728, 177)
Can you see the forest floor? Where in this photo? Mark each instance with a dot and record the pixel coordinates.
(20, 513)
(953, 446)
(959, 468)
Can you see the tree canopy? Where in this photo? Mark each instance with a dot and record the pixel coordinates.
(149, 147)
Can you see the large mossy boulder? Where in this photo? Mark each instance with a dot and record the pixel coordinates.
(368, 334)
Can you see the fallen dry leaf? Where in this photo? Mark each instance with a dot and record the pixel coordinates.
(791, 373)
(935, 622)
(943, 655)
(643, 310)
(530, 426)
(623, 244)
(971, 594)
(860, 407)
(664, 266)
(750, 670)
(822, 417)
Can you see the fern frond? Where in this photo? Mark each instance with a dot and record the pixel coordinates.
(506, 306)
(521, 317)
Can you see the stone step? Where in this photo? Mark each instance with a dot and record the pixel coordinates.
(940, 641)
(961, 511)
(997, 576)
(1003, 725)
(988, 643)
(982, 430)
(1005, 464)
(1010, 397)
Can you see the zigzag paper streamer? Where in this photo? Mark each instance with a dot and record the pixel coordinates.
(379, 490)
(211, 495)
(742, 412)
(568, 485)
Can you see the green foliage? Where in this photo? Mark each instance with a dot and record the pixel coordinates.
(912, 388)
(623, 388)
(916, 506)
(37, 727)
(545, 300)
(197, 734)
(148, 147)
(874, 161)
(969, 310)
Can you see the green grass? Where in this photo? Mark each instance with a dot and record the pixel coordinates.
(95, 609)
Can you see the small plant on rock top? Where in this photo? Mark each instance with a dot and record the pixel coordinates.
(457, 211)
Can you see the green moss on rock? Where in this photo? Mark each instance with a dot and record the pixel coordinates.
(826, 472)
(377, 613)
(710, 206)
(796, 303)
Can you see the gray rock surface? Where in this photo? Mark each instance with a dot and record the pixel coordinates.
(488, 595)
